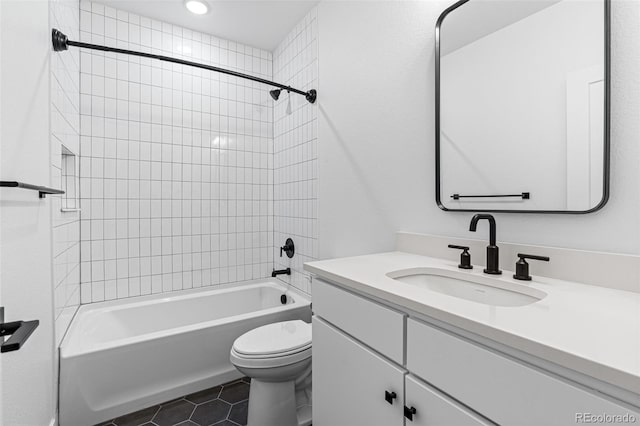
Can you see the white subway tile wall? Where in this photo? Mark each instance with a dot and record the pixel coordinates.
(65, 132)
(295, 62)
(176, 162)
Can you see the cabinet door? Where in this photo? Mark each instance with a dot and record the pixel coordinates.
(350, 380)
(433, 408)
(505, 390)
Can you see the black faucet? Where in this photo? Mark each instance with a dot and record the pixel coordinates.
(277, 272)
(493, 257)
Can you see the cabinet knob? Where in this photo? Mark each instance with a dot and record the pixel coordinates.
(390, 396)
(409, 412)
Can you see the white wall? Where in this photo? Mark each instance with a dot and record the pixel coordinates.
(65, 131)
(295, 163)
(175, 173)
(28, 375)
(376, 133)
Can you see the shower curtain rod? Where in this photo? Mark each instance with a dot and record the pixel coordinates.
(61, 42)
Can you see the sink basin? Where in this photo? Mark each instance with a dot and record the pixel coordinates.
(485, 290)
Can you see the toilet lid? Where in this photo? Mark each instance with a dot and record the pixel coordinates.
(276, 338)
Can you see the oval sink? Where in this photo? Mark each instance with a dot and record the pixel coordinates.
(485, 290)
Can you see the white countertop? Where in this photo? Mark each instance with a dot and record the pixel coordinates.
(589, 329)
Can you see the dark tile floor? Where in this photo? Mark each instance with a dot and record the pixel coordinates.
(224, 405)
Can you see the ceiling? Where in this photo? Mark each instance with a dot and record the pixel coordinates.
(258, 23)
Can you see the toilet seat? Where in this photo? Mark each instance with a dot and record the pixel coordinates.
(240, 360)
(272, 340)
(273, 345)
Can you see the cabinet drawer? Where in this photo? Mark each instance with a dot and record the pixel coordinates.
(350, 380)
(436, 409)
(498, 387)
(379, 327)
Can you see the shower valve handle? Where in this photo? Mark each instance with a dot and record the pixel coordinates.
(289, 248)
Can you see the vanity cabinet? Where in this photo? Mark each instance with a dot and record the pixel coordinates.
(355, 386)
(433, 408)
(375, 325)
(350, 381)
(364, 352)
(504, 389)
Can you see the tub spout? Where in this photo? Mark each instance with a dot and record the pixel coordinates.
(277, 272)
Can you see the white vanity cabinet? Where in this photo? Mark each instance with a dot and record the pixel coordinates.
(363, 351)
(358, 373)
(433, 408)
(350, 381)
(376, 326)
(355, 386)
(504, 389)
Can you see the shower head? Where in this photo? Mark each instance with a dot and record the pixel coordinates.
(310, 96)
(275, 94)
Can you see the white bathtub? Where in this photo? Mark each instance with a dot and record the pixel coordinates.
(122, 356)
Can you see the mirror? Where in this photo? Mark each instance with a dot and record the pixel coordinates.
(522, 106)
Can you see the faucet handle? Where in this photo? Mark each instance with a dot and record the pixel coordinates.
(465, 257)
(289, 248)
(522, 267)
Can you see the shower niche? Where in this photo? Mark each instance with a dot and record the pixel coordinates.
(70, 181)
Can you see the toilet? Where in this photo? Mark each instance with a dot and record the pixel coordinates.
(277, 358)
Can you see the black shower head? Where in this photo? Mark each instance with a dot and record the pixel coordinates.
(275, 94)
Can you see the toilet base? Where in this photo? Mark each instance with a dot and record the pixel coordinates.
(272, 404)
(275, 404)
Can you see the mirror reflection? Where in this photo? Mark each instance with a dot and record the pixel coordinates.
(523, 106)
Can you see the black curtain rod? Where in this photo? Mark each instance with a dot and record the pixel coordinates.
(60, 43)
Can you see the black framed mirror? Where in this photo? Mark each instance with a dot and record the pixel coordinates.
(522, 106)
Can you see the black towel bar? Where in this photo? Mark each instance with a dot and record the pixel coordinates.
(524, 196)
(42, 190)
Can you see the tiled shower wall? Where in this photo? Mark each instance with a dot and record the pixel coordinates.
(295, 62)
(65, 131)
(176, 162)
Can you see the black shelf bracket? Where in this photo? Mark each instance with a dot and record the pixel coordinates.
(43, 191)
(18, 330)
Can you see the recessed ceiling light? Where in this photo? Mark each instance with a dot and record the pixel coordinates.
(198, 7)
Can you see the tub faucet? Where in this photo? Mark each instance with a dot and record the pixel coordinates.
(277, 272)
(493, 257)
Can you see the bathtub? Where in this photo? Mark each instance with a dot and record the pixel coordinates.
(122, 356)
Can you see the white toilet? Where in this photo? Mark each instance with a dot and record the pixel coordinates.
(277, 358)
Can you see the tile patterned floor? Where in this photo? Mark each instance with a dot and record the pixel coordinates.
(224, 405)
